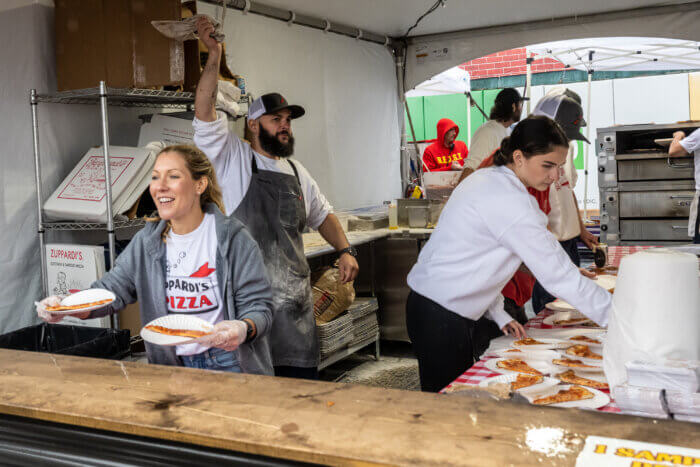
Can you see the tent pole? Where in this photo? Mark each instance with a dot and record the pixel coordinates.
(588, 132)
(413, 136)
(528, 80)
(469, 119)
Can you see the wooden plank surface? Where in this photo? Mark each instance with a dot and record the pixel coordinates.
(329, 423)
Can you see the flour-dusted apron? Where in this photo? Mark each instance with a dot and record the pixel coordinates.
(273, 211)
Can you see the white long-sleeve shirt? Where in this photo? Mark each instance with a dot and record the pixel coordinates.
(488, 227)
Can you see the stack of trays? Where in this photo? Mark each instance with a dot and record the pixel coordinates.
(641, 401)
(358, 324)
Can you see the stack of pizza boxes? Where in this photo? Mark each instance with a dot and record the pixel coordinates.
(72, 268)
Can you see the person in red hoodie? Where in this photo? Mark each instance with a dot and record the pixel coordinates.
(446, 153)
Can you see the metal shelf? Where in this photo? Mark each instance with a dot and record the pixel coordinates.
(122, 97)
(118, 224)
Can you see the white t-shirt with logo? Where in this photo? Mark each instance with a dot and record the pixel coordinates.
(564, 221)
(191, 286)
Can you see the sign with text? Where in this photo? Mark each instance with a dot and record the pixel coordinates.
(611, 452)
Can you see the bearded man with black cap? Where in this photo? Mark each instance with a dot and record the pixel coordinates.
(276, 198)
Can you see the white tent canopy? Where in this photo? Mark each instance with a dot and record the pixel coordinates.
(622, 53)
(619, 54)
(452, 81)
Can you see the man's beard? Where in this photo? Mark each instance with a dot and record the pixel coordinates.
(270, 144)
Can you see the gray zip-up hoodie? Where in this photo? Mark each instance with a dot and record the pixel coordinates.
(139, 272)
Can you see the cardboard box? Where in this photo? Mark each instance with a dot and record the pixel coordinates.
(130, 318)
(71, 268)
(114, 41)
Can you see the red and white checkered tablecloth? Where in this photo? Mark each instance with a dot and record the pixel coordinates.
(478, 372)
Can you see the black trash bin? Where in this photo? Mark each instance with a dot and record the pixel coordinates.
(69, 340)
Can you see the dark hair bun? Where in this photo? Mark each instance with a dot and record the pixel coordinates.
(533, 136)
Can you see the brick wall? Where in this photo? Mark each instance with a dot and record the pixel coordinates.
(508, 63)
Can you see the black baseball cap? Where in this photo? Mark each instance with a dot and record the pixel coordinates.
(509, 96)
(270, 103)
(564, 110)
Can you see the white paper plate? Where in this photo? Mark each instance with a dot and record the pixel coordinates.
(564, 315)
(509, 378)
(174, 322)
(560, 305)
(595, 368)
(600, 377)
(547, 344)
(606, 281)
(546, 355)
(599, 399)
(540, 365)
(587, 361)
(86, 296)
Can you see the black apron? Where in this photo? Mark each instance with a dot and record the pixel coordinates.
(274, 213)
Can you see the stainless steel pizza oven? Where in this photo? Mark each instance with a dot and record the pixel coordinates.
(645, 196)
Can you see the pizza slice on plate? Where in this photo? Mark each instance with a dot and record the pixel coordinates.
(585, 339)
(528, 341)
(78, 307)
(176, 332)
(583, 351)
(523, 381)
(517, 365)
(574, 393)
(571, 378)
(571, 363)
(572, 321)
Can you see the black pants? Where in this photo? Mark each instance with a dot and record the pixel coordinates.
(445, 343)
(540, 296)
(296, 372)
(516, 312)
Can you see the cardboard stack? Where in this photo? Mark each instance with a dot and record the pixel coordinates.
(72, 268)
(81, 196)
(357, 325)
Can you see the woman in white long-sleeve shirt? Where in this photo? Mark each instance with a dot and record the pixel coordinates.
(488, 228)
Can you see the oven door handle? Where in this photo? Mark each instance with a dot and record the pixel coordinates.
(681, 197)
(679, 227)
(689, 165)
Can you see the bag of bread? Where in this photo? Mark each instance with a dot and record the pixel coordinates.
(331, 297)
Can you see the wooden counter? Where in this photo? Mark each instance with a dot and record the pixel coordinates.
(327, 423)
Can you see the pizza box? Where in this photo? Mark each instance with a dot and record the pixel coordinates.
(167, 129)
(81, 196)
(71, 268)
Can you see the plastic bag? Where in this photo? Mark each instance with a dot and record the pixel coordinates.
(330, 296)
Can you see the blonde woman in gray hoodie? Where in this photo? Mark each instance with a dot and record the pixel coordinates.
(191, 259)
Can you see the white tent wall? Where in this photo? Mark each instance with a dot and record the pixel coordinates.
(432, 54)
(66, 133)
(349, 139)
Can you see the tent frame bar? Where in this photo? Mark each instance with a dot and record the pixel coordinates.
(291, 17)
(559, 22)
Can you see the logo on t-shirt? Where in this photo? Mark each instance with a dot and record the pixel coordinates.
(192, 294)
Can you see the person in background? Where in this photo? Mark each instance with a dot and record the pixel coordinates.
(276, 198)
(682, 146)
(488, 228)
(507, 109)
(565, 220)
(193, 260)
(446, 153)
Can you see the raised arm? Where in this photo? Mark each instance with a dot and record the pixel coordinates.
(205, 97)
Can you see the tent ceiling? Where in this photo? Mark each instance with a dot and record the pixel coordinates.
(394, 17)
(623, 53)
